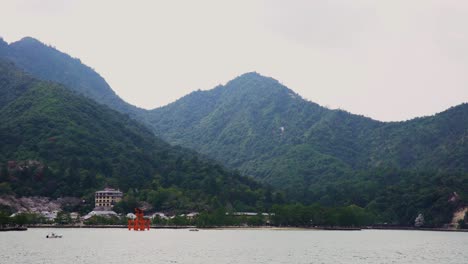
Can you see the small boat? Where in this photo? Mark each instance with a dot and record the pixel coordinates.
(53, 235)
(193, 229)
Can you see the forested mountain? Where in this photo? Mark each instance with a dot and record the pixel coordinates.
(396, 170)
(54, 142)
(261, 127)
(257, 125)
(47, 63)
(265, 129)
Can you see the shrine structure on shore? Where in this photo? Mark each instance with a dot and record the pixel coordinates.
(139, 223)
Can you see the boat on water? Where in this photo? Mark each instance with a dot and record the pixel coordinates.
(53, 235)
(193, 229)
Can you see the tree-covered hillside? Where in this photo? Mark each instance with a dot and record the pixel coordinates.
(257, 125)
(438, 142)
(47, 63)
(253, 123)
(261, 127)
(254, 119)
(54, 142)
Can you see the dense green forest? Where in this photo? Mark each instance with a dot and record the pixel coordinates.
(257, 125)
(253, 124)
(261, 127)
(55, 143)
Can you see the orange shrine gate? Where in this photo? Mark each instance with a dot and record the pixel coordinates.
(139, 223)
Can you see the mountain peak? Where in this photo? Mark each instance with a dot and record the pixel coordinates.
(29, 40)
(255, 84)
(253, 75)
(252, 79)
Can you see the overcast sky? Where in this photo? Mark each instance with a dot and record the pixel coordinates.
(389, 60)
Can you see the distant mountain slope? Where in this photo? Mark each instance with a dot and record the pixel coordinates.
(438, 142)
(14, 83)
(47, 63)
(397, 169)
(70, 146)
(253, 123)
(261, 127)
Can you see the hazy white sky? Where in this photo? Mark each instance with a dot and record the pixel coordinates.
(389, 60)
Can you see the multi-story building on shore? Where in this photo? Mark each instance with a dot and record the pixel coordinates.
(107, 198)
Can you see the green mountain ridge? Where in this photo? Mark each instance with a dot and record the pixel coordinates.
(255, 124)
(330, 157)
(260, 127)
(47, 63)
(77, 146)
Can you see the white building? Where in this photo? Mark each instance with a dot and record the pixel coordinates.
(160, 215)
(107, 198)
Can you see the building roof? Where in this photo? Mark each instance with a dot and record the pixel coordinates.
(109, 191)
(131, 215)
(160, 215)
(249, 214)
(99, 213)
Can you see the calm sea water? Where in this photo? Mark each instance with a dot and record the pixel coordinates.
(106, 246)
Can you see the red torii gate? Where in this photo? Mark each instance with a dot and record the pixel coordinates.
(139, 223)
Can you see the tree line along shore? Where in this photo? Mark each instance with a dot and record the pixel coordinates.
(280, 216)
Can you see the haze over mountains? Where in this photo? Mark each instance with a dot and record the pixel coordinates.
(256, 125)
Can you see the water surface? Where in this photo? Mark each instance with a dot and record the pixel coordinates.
(232, 246)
